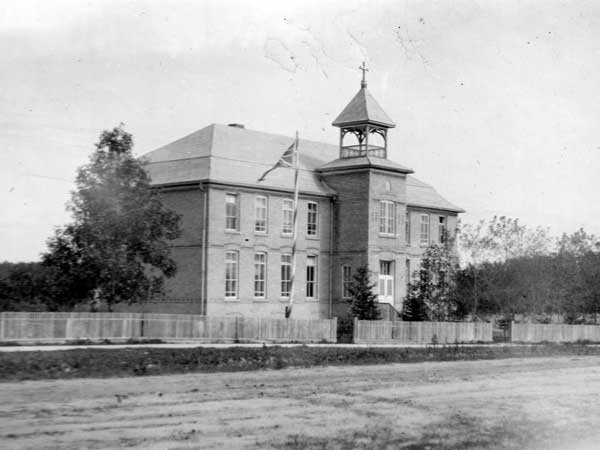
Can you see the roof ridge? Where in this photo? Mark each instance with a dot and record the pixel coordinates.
(266, 133)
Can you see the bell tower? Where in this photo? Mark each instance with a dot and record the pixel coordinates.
(363, 125)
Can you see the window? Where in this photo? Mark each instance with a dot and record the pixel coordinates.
(407, 228)
(260, 264)
(442, 232)
(312, 219)
(408, 274)
(232, 222)
(346, 281)
(424, 229)
(311, 277)
(387, 220)
(286, 275)
(287, 225)
(231, 275)
(260, 214)
(386, 281)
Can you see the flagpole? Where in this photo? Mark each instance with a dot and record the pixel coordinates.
(288, 309)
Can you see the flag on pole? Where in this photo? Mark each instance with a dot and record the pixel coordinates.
(289, 158)
(286, 160)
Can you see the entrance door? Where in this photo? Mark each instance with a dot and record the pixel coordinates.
(386, 282)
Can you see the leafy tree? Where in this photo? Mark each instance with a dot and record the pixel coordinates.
(500, 239)
(578, 243)
(23, 287)
(429, 297)
(486, 243)
(117, 245)
(363, 300)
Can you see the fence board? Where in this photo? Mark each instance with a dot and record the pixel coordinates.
(54, 327)
(537, 332)
(398, 332)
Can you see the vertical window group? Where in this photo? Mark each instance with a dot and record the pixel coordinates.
(231, 274)
(424, 229)
(260, 272)
(311, 277)
(260, 214)
(232, 212)
(311, 228)
(387, 215)
(286, 275)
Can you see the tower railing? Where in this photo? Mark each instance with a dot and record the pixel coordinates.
(354, 151)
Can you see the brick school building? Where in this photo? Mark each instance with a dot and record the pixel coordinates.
(355, 207)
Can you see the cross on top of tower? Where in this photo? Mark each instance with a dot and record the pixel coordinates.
(364, 69)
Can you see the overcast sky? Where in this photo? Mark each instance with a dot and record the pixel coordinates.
(497, 104)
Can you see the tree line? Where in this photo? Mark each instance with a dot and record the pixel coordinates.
(116, 248)
(503, 268)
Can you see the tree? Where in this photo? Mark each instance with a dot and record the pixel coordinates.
(429, 297)
(500, 239)
(578, 243)
(363, 300)
(496, 241)
(117, 245)
(23, 287)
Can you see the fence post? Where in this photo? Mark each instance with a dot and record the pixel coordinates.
(333, 329)
(355, 331)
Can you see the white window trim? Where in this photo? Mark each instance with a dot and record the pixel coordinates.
(442, 229)
(385, 279)
(264, 280)
(266, 208)
(283, 211)
(315, 282)
(391, 209)
(234, 298)
(281, 296)
(237, 216)
(421, 241)
(316, 234)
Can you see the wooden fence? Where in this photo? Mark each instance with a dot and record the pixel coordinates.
(60, 327)
(537, 332)
(398, 332)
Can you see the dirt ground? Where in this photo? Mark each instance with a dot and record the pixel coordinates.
(541, 403)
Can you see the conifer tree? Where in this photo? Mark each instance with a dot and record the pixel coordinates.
(363, 300)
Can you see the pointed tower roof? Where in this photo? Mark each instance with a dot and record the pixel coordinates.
(363, 108)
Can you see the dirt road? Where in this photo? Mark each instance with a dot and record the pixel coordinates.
(545, 403)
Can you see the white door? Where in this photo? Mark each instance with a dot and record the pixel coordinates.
(386, 282)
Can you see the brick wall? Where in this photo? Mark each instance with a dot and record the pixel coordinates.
(184, 290)
(246, 242)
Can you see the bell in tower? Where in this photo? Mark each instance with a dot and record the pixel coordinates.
(363, 125)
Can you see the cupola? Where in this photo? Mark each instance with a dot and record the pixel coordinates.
(363, 125)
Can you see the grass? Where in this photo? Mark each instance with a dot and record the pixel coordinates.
(123, 362)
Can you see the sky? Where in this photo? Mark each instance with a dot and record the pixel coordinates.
(496, 104)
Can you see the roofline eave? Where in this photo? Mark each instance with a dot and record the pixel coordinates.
(362, 167)
(208, 181)
(456, 210)
(362, 122)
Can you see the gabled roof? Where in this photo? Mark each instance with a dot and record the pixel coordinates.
(239, 156)
(364, 162)
(363, 108)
